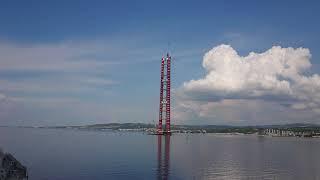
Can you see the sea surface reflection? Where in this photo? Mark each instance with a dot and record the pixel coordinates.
(61, 154)
(163, 158)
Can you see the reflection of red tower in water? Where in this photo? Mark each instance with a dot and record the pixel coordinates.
(164, 109)
(163, 162)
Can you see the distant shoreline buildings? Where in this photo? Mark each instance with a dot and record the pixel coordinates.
(291, 133)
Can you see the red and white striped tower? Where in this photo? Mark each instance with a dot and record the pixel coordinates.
(164, 108)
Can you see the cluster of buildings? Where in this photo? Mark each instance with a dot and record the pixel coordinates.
(287, 133)
(10, 168)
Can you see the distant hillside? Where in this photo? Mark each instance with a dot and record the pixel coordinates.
(294, 125)
(207, 128)
(113, 126)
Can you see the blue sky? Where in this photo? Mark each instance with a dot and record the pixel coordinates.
(83, 62)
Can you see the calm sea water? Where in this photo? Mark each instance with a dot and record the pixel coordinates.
(56, 154)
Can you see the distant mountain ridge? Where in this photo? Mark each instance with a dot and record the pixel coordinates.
(210, 128)
(179, 126)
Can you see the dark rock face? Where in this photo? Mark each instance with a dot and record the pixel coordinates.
(10, 168)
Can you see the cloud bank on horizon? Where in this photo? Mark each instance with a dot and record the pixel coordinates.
(73, 82)
(274, 86)
(50, 84)
(2, 96)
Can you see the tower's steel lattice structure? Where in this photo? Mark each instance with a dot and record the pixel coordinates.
(164, 107)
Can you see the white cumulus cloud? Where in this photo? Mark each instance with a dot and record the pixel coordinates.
(278, 75)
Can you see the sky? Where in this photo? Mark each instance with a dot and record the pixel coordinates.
(85, 62)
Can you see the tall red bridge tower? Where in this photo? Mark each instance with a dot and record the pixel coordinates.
(164, 108)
